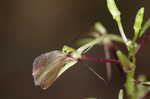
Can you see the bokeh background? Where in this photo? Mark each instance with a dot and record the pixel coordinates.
(31, 27)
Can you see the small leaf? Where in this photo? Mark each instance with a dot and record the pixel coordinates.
(84, 41)
(117, 17)
(121, 94)
(125, 62)
(99, 40)
(145, 27)
(141, 89)
(146, 83)
(138, 22)
(113, 9)
(142, 78)
(100, 28)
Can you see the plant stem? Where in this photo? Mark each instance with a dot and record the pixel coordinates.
(108, 64)
(130, 85)
(99, 59)
(122, 31)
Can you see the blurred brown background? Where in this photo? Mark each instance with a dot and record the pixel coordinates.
(31, 27)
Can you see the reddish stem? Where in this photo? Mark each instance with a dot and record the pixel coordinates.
(100, 59)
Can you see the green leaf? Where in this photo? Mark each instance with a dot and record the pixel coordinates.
(125, 62)
(146, 83)
(117, 17)
(113, 9)
(100, 28)
(121, 94)
(144, 28)
(138, 23)
(84, 41)
(142, 78)
(142, 87)
(99, 40)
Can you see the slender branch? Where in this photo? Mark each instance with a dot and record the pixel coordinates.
(122, 32)
(108, 56)
(99, 59)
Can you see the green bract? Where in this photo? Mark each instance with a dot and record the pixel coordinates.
(138, 23)
(84, 41)
(146, 83)
(100, 28)
(125, 62)
(121, 93)
(99, 40)
(116, 16)
(145, 27)
(113, 9)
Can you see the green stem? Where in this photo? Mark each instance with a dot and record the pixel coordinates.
(130, 85)
(122, 31)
